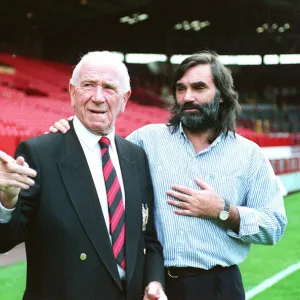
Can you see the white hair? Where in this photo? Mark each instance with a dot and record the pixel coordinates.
(108, 58)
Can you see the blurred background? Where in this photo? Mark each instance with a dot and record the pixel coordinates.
(259, 40)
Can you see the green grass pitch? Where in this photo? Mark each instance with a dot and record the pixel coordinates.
(262, 263)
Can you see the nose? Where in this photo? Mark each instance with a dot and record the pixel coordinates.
(189, 96)
(98, 94)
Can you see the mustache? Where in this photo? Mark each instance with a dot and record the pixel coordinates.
(190, 105)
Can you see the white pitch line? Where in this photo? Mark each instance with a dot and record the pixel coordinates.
(272, 280)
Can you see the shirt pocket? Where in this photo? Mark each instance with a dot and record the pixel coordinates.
(229, 188)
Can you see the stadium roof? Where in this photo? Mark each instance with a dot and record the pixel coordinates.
(65, 28)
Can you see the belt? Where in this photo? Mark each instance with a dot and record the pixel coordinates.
(174, 272)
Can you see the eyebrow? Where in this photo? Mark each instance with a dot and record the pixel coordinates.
(199, 84)
(88, 80)
(193, 84)
(105, 83)
(111, 84)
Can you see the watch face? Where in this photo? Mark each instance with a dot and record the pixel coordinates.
(224, 215)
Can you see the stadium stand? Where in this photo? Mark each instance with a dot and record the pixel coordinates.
(34, 94)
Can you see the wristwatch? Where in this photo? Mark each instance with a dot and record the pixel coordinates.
(224, 214)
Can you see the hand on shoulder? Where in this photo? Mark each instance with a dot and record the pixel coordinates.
(62, 125)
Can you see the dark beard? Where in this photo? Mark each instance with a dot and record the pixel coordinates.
(205, 118)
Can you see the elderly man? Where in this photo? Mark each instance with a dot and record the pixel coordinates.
(87, 219)
(215, 193)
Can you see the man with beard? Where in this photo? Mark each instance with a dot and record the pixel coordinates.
(215, 193)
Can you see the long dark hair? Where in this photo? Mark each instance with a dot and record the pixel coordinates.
(229, 108)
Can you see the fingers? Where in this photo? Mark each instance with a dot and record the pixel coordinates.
(52, 129)
(16, 181)
(154, 291)
(183, 212)
(20, 161)
(185, 208)
(178, 196)
(70, 118)
(65, 123)
(5, 158)
(14, 175)
(203, 185)
(18, 166)
(183, 189)
(62, 126)
(20, 169)
(11, 179)
(178, 204)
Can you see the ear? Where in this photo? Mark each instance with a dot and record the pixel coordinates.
(72, 94)
(124, 101)
(221, 100)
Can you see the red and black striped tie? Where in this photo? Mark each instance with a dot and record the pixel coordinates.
(115, 204)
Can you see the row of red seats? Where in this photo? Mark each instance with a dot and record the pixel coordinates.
(36, 116)
(36, 113)
(36, 74)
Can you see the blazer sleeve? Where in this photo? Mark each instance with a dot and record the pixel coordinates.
(154, 264)
(17, 229)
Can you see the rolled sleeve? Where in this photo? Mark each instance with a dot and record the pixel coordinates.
(263, 218)
(249, 224)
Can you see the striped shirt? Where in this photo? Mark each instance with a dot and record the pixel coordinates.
(237, 170)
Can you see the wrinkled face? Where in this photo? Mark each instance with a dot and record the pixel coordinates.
(98, 96)
(197, 99)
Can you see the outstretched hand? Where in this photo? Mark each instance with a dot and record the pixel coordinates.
(14, 176)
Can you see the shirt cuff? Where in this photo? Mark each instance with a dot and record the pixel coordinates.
(5, 214)
(249, 223)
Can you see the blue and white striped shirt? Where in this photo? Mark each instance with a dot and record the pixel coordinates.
(237, 170)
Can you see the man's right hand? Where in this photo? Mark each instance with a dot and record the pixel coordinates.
(14, 176)
(62, 125)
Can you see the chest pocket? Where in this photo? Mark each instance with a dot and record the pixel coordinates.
(228, 187)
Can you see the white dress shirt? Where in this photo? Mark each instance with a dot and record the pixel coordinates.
(237, 170)
(91, 148)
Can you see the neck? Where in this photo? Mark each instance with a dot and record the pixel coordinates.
(200, 139)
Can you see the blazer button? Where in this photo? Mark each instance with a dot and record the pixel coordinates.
(83, 256)
(144, 251)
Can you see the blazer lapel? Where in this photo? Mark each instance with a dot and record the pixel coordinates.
(82, 192)
(133, 206)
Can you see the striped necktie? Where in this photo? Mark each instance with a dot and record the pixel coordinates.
(115, 204)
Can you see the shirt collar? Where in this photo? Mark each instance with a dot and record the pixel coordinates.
(89, 138)
(181, 132)
(214, 143)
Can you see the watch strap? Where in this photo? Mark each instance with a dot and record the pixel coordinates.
(226, 206)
